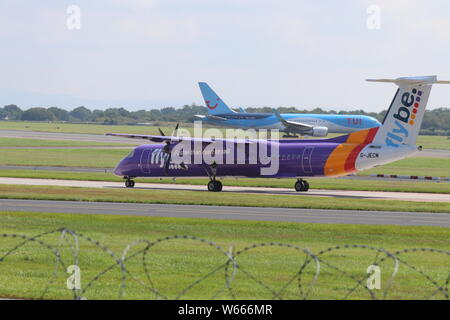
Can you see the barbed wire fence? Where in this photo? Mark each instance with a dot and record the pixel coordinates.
(305, 279)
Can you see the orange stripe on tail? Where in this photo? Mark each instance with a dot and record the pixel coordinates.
(342, 160)
(351, 159)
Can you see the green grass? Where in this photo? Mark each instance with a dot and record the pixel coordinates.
(316, 183)
(220, 199)
(434, 142)
(428, 142)
(88, 128)
(175, 264)
(63, 157)
(19, 142)
(439, 167)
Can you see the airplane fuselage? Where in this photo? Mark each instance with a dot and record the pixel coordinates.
(334, 123)
(296, 158)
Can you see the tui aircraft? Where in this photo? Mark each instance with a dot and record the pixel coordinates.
(316, 125)
(286, 158)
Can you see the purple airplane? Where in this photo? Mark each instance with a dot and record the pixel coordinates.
(177, 156)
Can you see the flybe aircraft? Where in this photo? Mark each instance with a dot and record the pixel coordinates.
(318, 125)
(287, 158)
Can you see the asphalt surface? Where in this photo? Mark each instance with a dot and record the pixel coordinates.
(349, 194)
(231, 213)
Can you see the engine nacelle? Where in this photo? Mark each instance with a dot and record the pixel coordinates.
(319, 131)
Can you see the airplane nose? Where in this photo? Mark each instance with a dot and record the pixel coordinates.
(118, 170)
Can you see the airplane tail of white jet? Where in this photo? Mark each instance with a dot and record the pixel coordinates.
(213, 102)
(403, 119)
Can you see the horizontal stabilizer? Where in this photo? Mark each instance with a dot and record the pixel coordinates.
(411, 81)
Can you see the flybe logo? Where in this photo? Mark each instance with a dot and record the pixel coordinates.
(406, 115)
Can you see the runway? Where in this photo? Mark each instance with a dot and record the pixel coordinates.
(232, 213)
(372, 195)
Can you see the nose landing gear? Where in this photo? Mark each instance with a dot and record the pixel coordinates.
(213, 185)
(301, 185)
(129, 183)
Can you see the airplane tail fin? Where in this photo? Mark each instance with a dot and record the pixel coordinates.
(404, 117)
(214, 104)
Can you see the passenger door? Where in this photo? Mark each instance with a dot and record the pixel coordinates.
(306, 159)
(145, 161)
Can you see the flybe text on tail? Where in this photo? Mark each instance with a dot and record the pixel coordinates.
(406, 115)
(402, 122)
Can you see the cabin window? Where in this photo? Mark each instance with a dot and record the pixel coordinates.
(131, 154)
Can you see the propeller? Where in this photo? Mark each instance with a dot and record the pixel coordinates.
(167, 149)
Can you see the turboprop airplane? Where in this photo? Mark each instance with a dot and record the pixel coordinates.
(395, 139)
(316, 125)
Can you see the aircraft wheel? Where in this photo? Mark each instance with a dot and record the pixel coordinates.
(211, 186)
(301, 185)
(214, 186)
(305, 185)
(129, 183)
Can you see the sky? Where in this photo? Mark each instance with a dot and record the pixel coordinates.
(143, 54)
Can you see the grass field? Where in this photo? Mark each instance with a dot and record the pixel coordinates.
(414, 166)
(19, 142)
(212, 198)
(63, 157)
(316, 183)
(428, 142)
(87, 128)
(175, 264)
(434, 142)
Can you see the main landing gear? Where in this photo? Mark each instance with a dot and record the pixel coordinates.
(214, 186)
(301, 185)
(129, 183)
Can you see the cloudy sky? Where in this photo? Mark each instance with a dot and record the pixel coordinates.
(151, 53)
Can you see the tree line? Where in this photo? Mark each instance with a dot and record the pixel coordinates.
(436, 122)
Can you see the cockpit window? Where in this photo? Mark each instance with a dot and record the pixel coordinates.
(131, 154)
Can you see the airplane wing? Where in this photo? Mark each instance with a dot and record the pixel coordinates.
(292, 124)
(302, 128)
(212, 117)
(172, 139)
